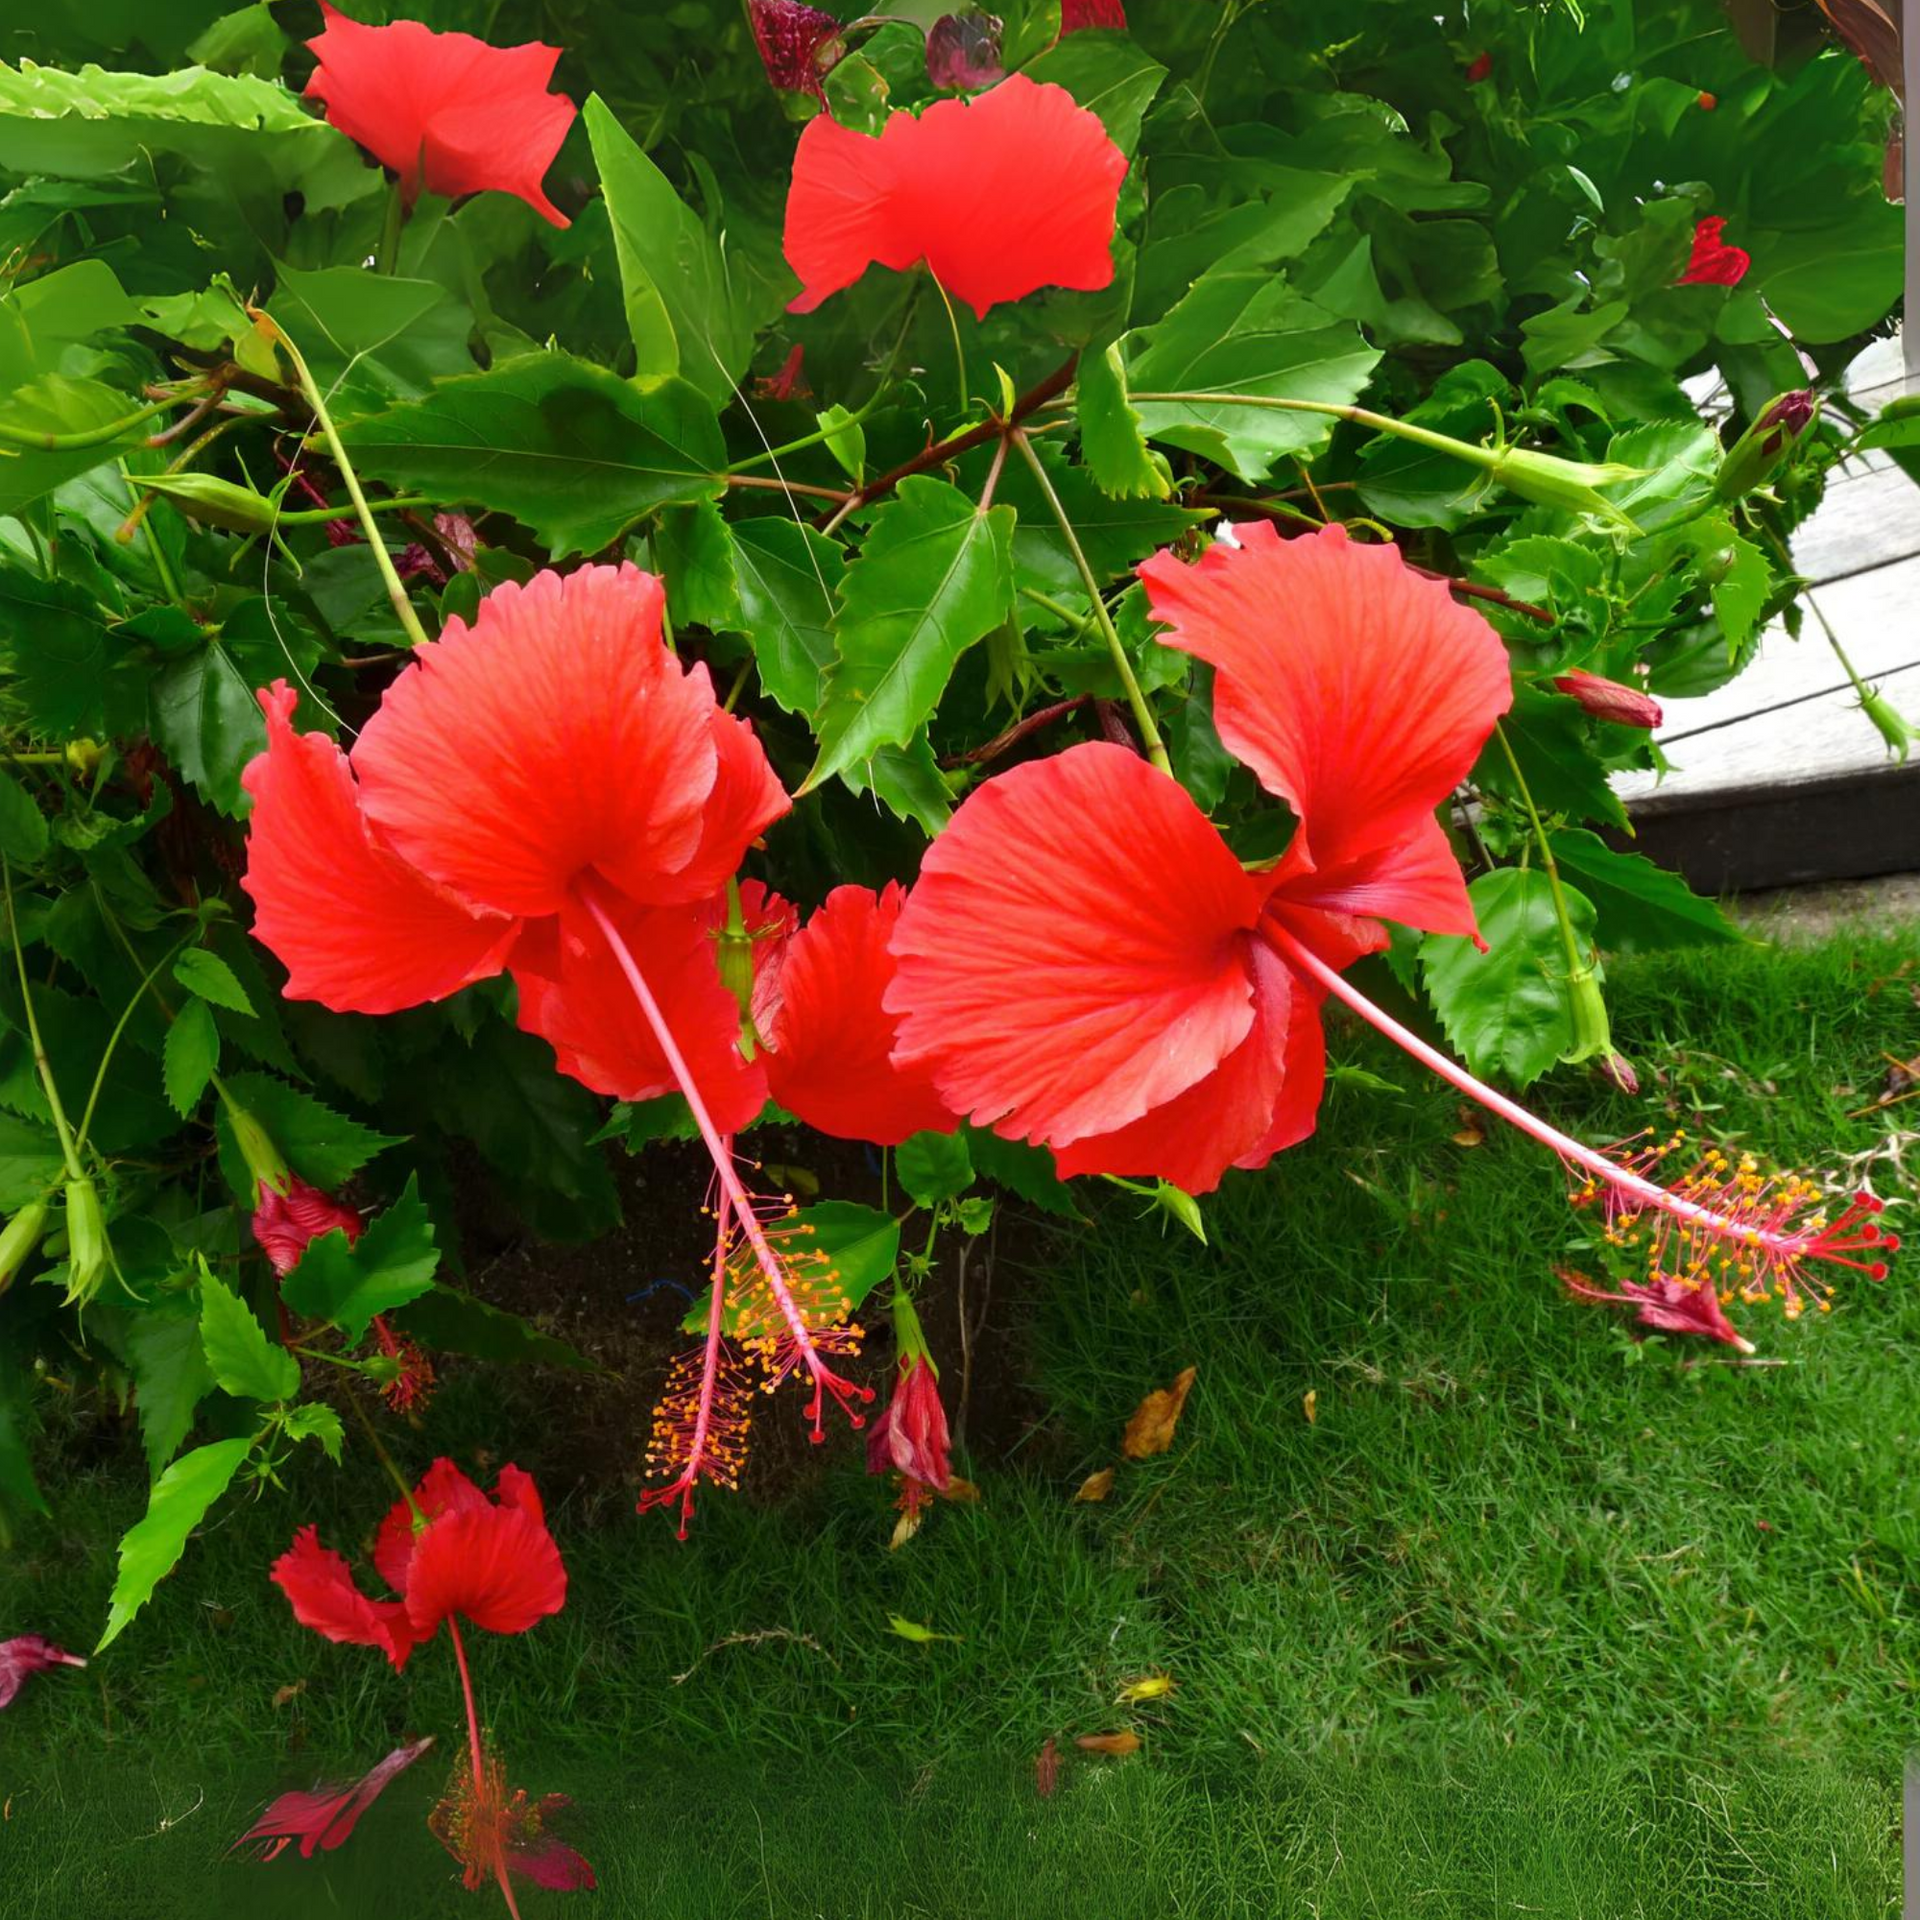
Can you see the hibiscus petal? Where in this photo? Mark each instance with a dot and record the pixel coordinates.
(830, 1037)
(1014, 190)
(746, 799)
(443, 1488)
(554, 737)
(1220, 1121)
(1070, 957)
(552, 1864)
(1303, 1078)
(356, 929)
(495, 1566)
(319, 1586)
(25, 1654)
(1359, 692)
(1416, 881)
(324, 1819)
(574, 995)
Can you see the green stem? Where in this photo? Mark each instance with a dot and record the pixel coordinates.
(387, 255)
(953, 327)
(68, 1152)
(162, 566)
(26, 438)
(319, 516)
(310, 390)
(806, 440)
(1576, 961)
(120, 1027)
(1136, 699)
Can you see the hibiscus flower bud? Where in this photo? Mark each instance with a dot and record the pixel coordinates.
(256, 1146)
(910, 1437)
(1609, 700)
(1891, 724)
(1592, 1036)
(88, 1254)
(288, 1220)
(21, 1236)
(963, 52)
(799, 45)
(1618, 1071)
(1549, 481)
(1752, 459)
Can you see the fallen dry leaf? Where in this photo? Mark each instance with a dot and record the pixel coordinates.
(1096, 1486)
(1124, 1742)
(283, 1694)
(906, 1527)
(1150, 1431)
(962, 1492)
(1310, 1405)
(1046, 1769)
(1150, 1686)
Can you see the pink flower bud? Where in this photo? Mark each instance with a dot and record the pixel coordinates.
(1609, 700)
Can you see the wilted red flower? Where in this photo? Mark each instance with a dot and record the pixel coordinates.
(1479, 68)
(286, 1224)
(1609, 700)
(326, 1817)
(1714, 263)
(910, 1438)
(963, 51)
(1075, 14)
(449, 1550)
(495, 1833)
(799, 45)
(412, 1382)
(1135, 1008)
(1668, 1305)
(27, 1654)
(448, 113)
(790, 383)
(999, 195)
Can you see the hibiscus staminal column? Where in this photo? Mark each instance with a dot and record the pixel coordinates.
(1724, 1224)
(799, 1344)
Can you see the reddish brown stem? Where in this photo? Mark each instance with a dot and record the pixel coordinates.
(1022, 729)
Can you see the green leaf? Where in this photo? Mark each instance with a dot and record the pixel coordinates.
(369, 338)
(693, 553)
(171, 1377)
(19, 1491)
(55, 404)
(1507, 1011)
(787, 576)
(1552, 738)
(1111, 442)
(30, 1161)
(206, 718)
(935, 574)
(179, 1502)
(191, 1057)
(42, 317)
(1417, 486)
(934, 1167)
(908, 782)
(1247, 333)
(1641, 907)
(315, 1422)
(240, 1356)
(23, 827)
(1741, 593)
(392, 1262)
(570, 450)
(450, 1321)
(207, 975)
(70, 677)
(1025, 1171)
(912, 1630)
(1108, 75)
(320, 1145)
(861, 1243)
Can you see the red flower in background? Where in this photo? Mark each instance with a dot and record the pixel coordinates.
(448, 113)
(25, 1655)
(285, 1224)
(489, 1561)
(911, 1438)
(1075, 14)
(325, 1818)
(1609, 700)
(799, 45)
(1714, 263)
(1136, 1008)
(1479, 68)
(1014, 190)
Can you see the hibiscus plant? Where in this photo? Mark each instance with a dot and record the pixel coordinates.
(944, 577)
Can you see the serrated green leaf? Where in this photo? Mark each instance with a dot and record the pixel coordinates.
(163, 1351)
(178, 1503)
(319, 1144)
(1028, 1172)
(1111, 442)
(449, 1321)
(1641, 908)
(206, 717)
(1506, 1011)
(570, 450)
(191, 1057)
(1108, 75)
(392, 1262)
(934, 1167)
(70, 675)
(55, 404)
(693, 553)
(861, 1243)
(908, 782)
(23, 827)
(239, 1355)
(787, 577)
(935, 574)
(316, 1422)
(1741, 593)
(204, 973)
(30, 1161)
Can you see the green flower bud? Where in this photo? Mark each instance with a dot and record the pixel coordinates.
(1753, 459)
(83, 756)
(256, 1146)
(1180, 1205)
(20, 1237)
(1892, 725)
(213, 501)
(1592, 1036)
(87, 1256)
(1550, 481)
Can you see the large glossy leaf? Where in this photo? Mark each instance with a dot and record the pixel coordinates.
(392, 1262)
(179, 1502)
(1642, 908)
(935, 574)
(572, 451)
(69, 668)
(163, 1351)
(1111, 442)
(1108, 75)
(787, 577)
(240, 1357)
(206, 717)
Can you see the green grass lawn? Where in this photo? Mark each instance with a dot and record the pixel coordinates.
(1532, 1618)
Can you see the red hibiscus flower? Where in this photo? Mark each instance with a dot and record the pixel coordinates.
(27, 1654)
(285, 1224)
(1714, 263)
(325, 1818)
(500, 1834)
(1609, 700)
(449, 1550)
(1075, 14)
(1139, 1008)
(448, 113)
(1667, 1304)
(999, 195)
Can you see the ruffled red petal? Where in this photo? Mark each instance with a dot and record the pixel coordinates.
(1071, 956)
(1075, 14)
(319, 1586)
(1219, 1122)
(1416, 881)
(443, 1488)
(357, 929)
(831, 1038)
(554, 738)
(1013, 190)
(445, 111)
(325, 1818)
(1303, 1077)
(574, 995)
(1359, 692)
(495, 1566)
(747, 798)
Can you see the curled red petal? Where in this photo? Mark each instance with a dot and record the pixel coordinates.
(1076, 14)
(1000, 195)
(320, 1588)
(745, 800)
(1713, 263)
(495, 1566)
(1336, 910)
(829, 1035)
(443, 1488)
(1358, 691)
(553, 738)
(574, 995)
(1072, 955)
(286, 1224)
(26, 1654)
(324, 1819)
(356, 928)
(448, 113)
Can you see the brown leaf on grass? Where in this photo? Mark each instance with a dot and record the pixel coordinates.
(1150, 1431)
(1124, 1742)
(906, 1527)
(1096, 1486)
(962, 1492)
(1310, 1405)
(1150, 1686)
(291, 1692)
(1046, 1769)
